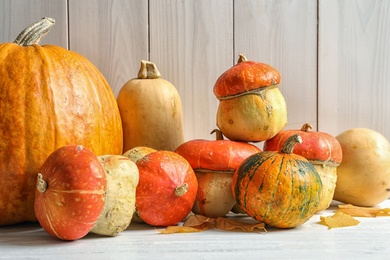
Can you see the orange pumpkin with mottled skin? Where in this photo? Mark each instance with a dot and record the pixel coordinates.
(70, 192)
(49, 97)
(166, 190)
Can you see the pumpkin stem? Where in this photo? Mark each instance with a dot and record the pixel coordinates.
(289, 144)
(41, 184)
(148, 70)
(306, 127)
(218, 133)
(35, 32)
(241, 58)
(181, 190)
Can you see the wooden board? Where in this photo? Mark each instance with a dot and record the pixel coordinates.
(354, 66)
(284, 35)
(15, 15)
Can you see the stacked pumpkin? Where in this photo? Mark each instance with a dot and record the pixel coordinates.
(275, 186)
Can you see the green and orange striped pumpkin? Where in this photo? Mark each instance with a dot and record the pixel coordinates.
(281, 189)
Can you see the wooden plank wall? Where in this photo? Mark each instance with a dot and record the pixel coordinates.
(333, 55)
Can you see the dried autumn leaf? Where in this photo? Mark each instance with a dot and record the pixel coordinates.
(384, 212)
(339, 219)
(231, 224)
(194, 223)
(197, 220)
(363, 211)
(184, 229)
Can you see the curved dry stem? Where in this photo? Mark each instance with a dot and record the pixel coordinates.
(35, 32)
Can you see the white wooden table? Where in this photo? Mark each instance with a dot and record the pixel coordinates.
(368, 240)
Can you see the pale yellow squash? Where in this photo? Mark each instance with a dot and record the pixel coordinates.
(363, 177)
(122, 179)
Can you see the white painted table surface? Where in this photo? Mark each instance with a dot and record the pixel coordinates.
(368, 240)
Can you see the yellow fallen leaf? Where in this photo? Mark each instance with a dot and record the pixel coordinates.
(339, 219)
(363, 211)
(194, 223)
(184, 229)
(384, 212)
(231, 224)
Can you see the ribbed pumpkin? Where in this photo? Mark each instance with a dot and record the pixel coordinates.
(49, 97)
(251, 106)
(320, 149)
(281, 189)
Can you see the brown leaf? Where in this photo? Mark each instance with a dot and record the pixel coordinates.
(363, 211)
(197, 220)
(339, 219)
(358, 211)
(231, 224)
(184, 229)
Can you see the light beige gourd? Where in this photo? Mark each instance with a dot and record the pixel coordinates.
(122, 179)
(363, 176)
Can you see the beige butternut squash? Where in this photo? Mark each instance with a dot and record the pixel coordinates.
(151, 111)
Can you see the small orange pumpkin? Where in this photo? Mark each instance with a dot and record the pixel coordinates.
(49, 97)
(281, 189)
(70, 192)
(166, 190)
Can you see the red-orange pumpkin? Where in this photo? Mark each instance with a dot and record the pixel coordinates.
(70, 192)
(166, 190)
(49, 97)
(319, 148)
(214, 162)
(281, 189)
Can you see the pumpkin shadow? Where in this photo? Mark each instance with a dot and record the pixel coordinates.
(28, 234)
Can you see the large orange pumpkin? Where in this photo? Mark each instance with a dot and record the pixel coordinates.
(49, 97)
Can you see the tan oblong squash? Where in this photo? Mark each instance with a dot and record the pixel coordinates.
(151, 111)
(50, 97)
